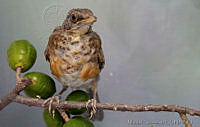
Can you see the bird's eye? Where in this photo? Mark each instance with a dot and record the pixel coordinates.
(74, 18)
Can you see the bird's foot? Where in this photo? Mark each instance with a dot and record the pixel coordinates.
(50, 101)
(93, 103)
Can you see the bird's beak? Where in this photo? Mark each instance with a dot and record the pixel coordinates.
(89, 20)
(92, 19)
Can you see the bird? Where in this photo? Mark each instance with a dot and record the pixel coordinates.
(75, 53)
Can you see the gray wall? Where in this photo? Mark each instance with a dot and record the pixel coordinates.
(151, 47)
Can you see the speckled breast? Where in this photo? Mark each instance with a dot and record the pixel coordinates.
(78, 60)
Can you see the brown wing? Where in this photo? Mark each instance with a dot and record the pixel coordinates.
(97, 44)
(96, 64)
(51, 44)
(47, 50)
(50, 55)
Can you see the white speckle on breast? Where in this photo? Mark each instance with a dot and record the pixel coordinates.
(75, 82)
(76, 38)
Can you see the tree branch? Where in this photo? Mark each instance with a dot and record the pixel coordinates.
(108, 106)
(185, 120)
(22, 83)
(64, 114)
(7, 99)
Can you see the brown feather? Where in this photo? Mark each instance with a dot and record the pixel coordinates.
(89, 71)
(75, 55)
(55, 67)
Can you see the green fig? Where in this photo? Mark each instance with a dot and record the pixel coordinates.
(21, 54)
(78, 121)
(80, 96)
(43, 85)
(56, 121)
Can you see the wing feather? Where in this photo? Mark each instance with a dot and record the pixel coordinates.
(97, 44)
(50, 44)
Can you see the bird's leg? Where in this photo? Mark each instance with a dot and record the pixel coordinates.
(56, 99)
(93, 101)
(50, 101)
(63, 90)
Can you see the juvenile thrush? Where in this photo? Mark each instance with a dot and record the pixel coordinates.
(74, 52)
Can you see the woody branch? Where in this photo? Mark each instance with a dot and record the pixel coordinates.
(108, 106)
(20, 86)
(64, 105)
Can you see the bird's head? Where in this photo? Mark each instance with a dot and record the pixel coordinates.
(79, 19)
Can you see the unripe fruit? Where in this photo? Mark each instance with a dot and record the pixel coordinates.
(56, 121)
(80, 96)
(21, 54)
(42, 85)
(78, 121)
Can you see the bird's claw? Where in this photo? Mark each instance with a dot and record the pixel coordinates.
(50, 101)
(93, 103)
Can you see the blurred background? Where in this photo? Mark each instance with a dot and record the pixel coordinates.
(152, 52)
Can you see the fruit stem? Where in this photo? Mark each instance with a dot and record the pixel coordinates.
(64, 115)
(18, 73)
